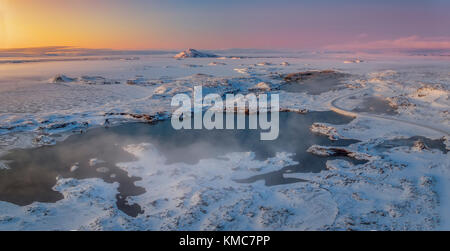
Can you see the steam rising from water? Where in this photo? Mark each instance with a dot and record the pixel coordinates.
(33, 172)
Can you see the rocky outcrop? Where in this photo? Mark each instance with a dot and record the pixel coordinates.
(191, 53)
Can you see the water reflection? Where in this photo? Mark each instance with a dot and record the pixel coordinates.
(33, 172)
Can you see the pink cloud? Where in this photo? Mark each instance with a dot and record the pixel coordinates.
(404, 43)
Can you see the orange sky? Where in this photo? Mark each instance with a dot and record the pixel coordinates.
(206, 24)
(34, 23)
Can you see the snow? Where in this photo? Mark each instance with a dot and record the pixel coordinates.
(261, 86)
(324, 129)
(61, 79)
(93, 162)
(141, 80)
(84, 203)
(102, 169)
(74, 167)
(3, 165)
(90, 80)
(353, 61)
(43, 140)
(396, 192)
(401, 188)
(192, 53)
(216, 63)
(183, 192)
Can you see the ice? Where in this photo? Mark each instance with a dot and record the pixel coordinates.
(397, 188)
(93, 162)
(338, 151)
(102, 170)
(92, 197)
(261, 86)
(393, 193)
(324, 129)
(206, 187)
(3, 165)
(74, 167)
(264, 64)
(44, 140)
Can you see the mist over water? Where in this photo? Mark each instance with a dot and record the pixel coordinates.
(33, 172)
(315, 85)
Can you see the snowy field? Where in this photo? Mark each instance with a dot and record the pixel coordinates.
(403, 184)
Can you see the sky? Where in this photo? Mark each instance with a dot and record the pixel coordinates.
(220, 24)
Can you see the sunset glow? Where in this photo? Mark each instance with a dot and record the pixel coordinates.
(224, 115)
(220, 24)
(174, 24)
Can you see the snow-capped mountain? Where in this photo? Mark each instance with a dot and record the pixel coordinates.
(191, 53)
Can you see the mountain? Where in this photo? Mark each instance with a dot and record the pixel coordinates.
(191, 53)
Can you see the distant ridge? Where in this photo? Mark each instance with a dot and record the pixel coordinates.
(192, 53)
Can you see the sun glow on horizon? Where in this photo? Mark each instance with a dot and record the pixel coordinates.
(50, 23)
(3, 31)
(176, 24)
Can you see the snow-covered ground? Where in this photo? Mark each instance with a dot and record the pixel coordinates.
(399, 188)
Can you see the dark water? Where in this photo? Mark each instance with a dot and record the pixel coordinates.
(314, 86)
(33, 172)
(438, 144)
(375, 105)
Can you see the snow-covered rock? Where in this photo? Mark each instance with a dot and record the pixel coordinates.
(97, 80)
(74, 167)
(353, 61)
(142, 81)
(261, 86)
(337, 152)
(324, 129)
(93, 162)
(3, 165)
(88, 80)
(44, 140)
(102, 170)
(62, 79)
(192, 53)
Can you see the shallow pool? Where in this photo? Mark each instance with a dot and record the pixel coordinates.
(33, 172)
